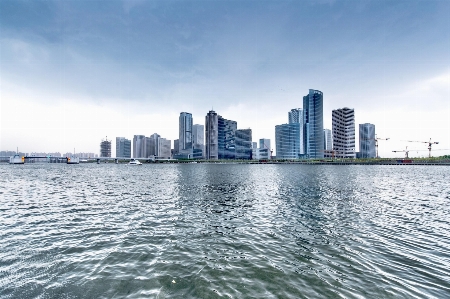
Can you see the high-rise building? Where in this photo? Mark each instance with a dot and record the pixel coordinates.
(313, 120)
(198, 140)
(211, 134)
(297, 116)
(367, 140)
(163, 148)
(152, 145)
(185, 133)
(255, 150)
(139, 146)
(327, 140)
(243, 144)
(105, 148)
(287, 141)
(264, 149)
(343, 121)
(176, 147)
(226, 135)
(123, 147)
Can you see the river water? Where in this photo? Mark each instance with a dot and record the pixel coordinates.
(224, 231)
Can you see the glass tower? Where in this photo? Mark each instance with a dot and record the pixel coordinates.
(185, 132)
(313, 124)
(287, 141)
(211, 135)
(367, 140)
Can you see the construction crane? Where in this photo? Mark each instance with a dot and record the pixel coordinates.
(429, 145)
(405, 151)
(376, 142)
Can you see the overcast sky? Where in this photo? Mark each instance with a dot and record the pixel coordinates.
(73, 72)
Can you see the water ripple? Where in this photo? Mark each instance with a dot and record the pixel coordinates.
(224, 231)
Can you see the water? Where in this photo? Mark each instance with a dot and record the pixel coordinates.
(224, 231)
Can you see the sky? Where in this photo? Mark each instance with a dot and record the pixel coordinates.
(75, 72)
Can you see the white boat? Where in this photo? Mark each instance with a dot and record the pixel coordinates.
(134, 162)
(16, 159)
(73, 160)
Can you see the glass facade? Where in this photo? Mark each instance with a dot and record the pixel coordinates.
(288, 141)
(226, 138)
(244, 144)
(123, 147)
(367, 140)
(211, 134)
(313, 120)
(185, 132)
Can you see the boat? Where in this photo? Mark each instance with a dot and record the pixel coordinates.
(16, 159)
(73, 160)
(134, 162)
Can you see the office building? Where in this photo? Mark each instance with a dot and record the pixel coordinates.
(343, 121)
(255, 151)
(226, 136)
(264, 151)
(243, 144)
(211, 135)
(163, 148)
(139, 146)
(367, 142)
(198, 140)
(176, 148)
(313, 124)
(152, 145)
(327, 140)
(287, 141)
(123, 147)
(105, 148)
(185, 133)
(296, 116)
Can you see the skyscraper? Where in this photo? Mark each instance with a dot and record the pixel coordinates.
(198, 139)
(163, 146)
(343, 121)
(185, 133)
(123, 147)
(327, 140)
(139, 146)
(152, 146)
(297, 116)
(313, 128)
(243, 144)
(264, 149)
(226, 135)
(287, 141)
(367, 140)
(211, 132)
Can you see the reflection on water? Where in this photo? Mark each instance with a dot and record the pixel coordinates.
(224, 231)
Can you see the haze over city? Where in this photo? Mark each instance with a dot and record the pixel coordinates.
(73, 72)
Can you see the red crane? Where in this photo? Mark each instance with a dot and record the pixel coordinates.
(429, 145)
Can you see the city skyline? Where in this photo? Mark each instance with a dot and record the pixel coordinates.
(74, 72)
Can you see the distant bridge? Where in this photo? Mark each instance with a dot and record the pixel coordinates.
(53, 159)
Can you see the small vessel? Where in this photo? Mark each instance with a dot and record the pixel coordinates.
(134, 162)
(16, 159)
(73, 160)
